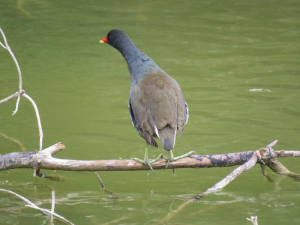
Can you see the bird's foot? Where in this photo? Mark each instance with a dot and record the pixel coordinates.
(148, 162)
(172, 158)
(184, 155)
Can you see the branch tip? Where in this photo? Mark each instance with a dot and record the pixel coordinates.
(253, 219)
(54, 149)
(272, 144)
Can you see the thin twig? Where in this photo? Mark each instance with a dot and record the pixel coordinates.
(4, 38)
(18, 68)
(34, 206)
(253, 219)
(48, 212)
(265, 173)
(21, 92)
(38, 119)
(101, 182)
(104, 188)
(230, 177)
(22, 148)
(52, 206)
(15, 95)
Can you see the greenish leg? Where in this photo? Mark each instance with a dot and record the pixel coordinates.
(172, 158)
(146, 160)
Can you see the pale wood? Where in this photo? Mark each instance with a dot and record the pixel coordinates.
(21, 92)
(253, 219)
(34, 206)
(44, 160)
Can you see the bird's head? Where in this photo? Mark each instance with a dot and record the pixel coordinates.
(116, 38)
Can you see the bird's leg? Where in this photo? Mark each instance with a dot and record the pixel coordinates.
(158, 157)
(146, 160)
(172, 158)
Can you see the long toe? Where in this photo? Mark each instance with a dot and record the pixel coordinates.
(172, 158)
(145, 162)
(184, 155)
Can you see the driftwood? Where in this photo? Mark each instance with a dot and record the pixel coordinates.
(43, 160)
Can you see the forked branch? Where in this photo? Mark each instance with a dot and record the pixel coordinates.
(21, 92)
(44, 160)
(260, 156)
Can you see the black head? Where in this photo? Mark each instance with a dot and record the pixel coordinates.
(116, 38)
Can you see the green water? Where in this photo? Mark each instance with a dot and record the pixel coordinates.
(237, 63)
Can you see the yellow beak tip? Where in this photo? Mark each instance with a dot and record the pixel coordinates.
(102, 42)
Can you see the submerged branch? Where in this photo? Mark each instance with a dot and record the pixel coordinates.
(42, 210)
(18, 143)
(103, 186)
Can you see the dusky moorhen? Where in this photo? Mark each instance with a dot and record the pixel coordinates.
(156, 104)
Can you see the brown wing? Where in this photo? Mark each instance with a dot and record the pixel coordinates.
(158, 107)
(138, 115)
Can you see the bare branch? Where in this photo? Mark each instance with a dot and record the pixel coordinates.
(34, 206)
(53, 149)
(15, 95)
(19, 196)
(4, 38)
(290, 153)
(264, 172)
(218, 186)
(253, 219)
(48, 212)
(272, 144)
(103, 186)
(52, 206)
(18, 68)
(38, 119)
(21, 92)
(101, 182)
(230, 177)
(44, 160)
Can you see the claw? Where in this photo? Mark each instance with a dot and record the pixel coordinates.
(146, 160)
(172, 158)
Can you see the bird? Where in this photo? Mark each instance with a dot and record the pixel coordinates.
(156, 104)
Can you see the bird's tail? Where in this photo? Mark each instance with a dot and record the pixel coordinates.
(167, 137)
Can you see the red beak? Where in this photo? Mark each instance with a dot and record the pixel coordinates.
(103, 40)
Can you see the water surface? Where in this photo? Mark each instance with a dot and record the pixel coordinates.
(237, 63)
